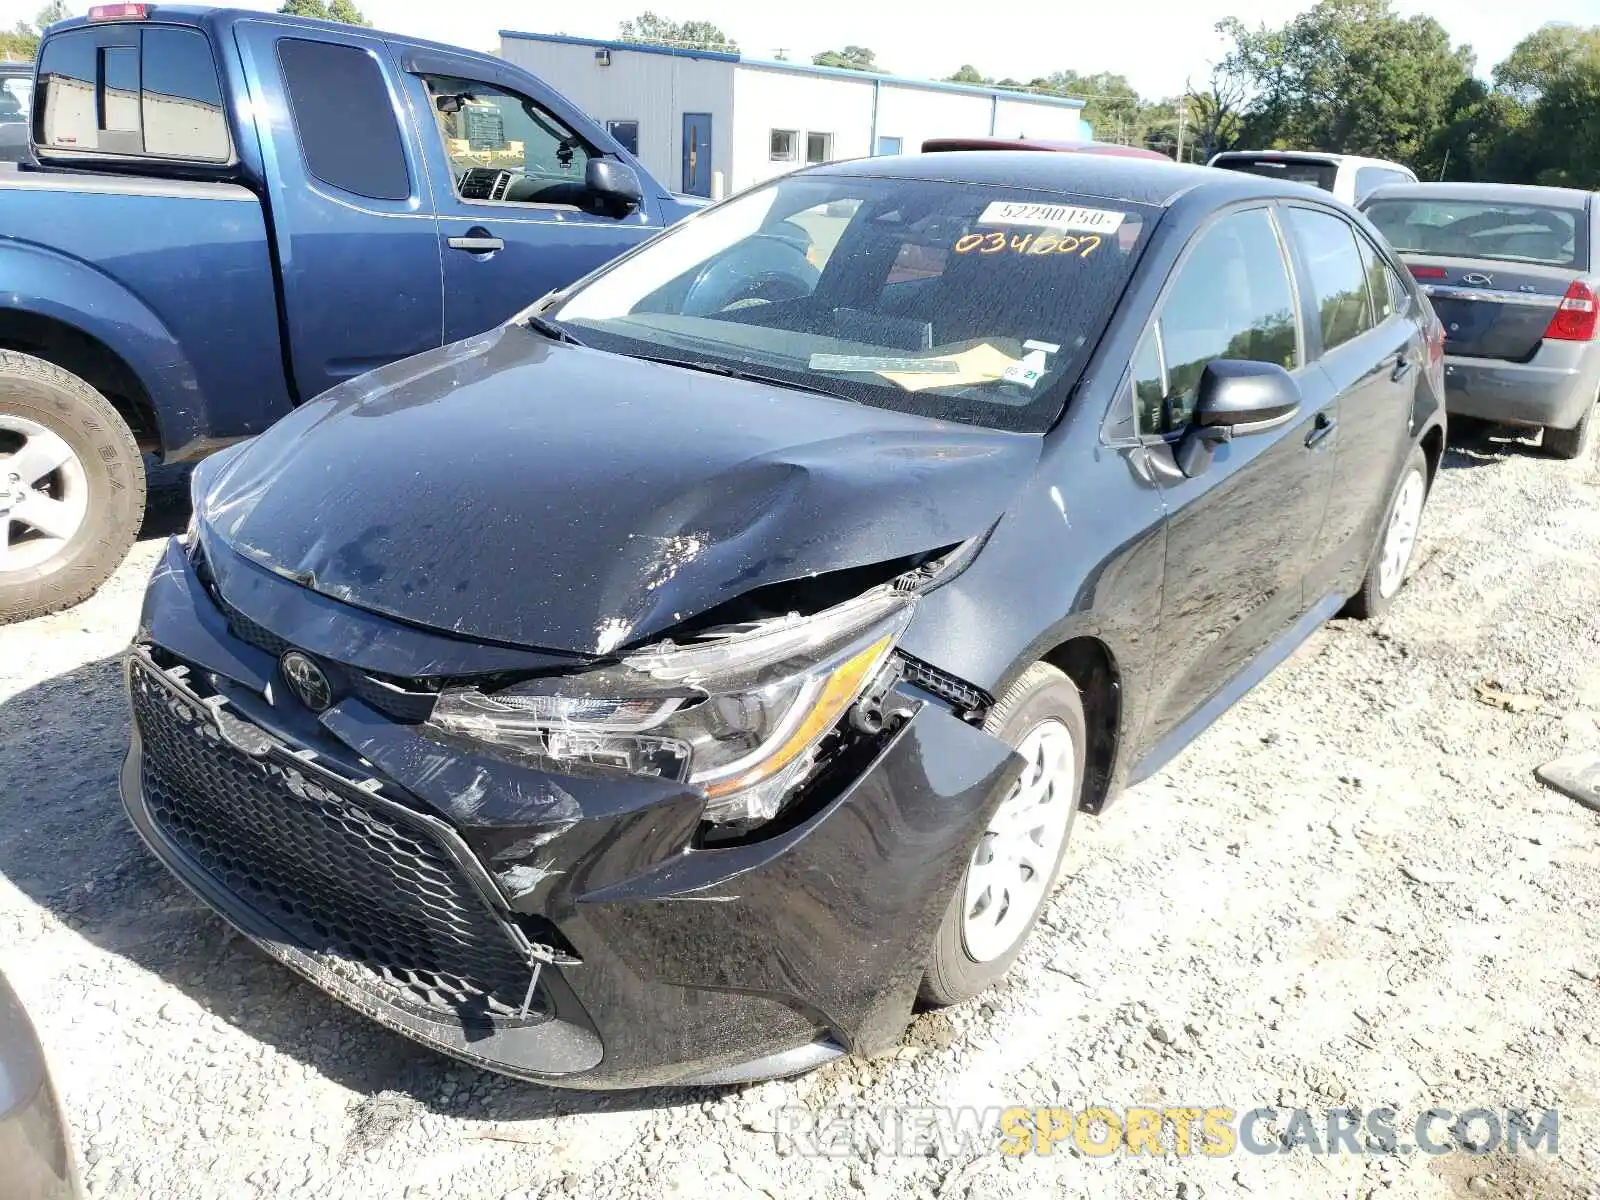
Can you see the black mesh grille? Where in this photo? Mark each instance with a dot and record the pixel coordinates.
(366, 893)
(247, 630)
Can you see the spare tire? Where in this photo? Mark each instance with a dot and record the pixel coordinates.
(72, 488)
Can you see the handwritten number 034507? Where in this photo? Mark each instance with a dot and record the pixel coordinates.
(1028, 243)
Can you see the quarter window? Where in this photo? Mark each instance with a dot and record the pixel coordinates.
(503, 146)
(1338, 274)
(1231, 299)
(344, 118)
(1384, 288)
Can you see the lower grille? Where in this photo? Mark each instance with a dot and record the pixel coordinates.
(367, 893)
(972, 701)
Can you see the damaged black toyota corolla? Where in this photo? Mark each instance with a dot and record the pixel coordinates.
(677, 683)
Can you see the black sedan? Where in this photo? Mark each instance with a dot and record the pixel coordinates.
(658, 691)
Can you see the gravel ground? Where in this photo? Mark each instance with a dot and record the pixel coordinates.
(1350, 891)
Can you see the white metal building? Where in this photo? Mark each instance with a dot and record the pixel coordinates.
(711, 123)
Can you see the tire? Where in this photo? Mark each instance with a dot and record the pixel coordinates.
(1571, 443)
(92, 500)
(970, 957)
(1384, 577)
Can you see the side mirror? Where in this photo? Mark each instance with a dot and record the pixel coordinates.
(1235, 399)
(614, 182)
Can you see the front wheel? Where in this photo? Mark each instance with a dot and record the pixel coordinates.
(71, 488)
(1017, 860)
(1391, 557)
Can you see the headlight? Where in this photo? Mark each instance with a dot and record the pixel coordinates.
(738, 711)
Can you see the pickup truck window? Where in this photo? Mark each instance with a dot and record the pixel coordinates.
(504, 147)
(146, 92)
(344, 118)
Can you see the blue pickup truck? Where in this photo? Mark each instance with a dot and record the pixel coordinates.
(232, 212)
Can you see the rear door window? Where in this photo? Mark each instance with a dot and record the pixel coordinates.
(344, 118)
(1338, 274)
(133, 91)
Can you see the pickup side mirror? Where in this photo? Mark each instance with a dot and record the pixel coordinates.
(1236, 398)
(615, 183)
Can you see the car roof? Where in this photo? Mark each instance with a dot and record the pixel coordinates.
(1108, 177)
(1503, 193)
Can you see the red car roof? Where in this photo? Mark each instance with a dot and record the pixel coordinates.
(938, 145)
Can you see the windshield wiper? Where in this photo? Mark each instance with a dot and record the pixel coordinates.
(549, 328)
(716, 368)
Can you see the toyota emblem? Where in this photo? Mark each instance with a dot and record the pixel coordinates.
(307, 681)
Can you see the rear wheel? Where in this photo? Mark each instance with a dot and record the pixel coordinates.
(71, 488)
(1391, 557)
(1017, 860)
(1571, 443)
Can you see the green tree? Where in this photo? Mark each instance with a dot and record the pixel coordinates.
(662, 31)
(851, 58)
(336, 10)
(21, 42)
(966, 73)
(1349, 76)
(1550, 55)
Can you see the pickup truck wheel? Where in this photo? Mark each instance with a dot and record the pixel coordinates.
(71, 488)
(1571, 443)
(1017, 861)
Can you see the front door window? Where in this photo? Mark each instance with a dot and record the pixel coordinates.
(505, 148)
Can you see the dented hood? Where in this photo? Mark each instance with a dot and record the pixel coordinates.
(516, 489)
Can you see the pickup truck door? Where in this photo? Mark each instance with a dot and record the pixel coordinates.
(352, 221)
(506, 160)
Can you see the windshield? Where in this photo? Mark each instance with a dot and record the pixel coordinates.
(16, 98)
(1318, 174)
(962, 301)
(1483, 229)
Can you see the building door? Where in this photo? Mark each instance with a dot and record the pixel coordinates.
(697, 154)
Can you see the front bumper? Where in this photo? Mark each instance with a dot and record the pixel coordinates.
(423, 883)
(1552, 391)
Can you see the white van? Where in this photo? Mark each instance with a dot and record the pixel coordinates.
(1347, 176)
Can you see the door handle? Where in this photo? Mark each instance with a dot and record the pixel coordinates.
(478, 241)
(1320, 429)
(1402, 368)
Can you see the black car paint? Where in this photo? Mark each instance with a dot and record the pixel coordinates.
(1166, 596)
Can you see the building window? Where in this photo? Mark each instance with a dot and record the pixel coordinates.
(889, 145)
(819, 147)
(627, 133)
(783, 144)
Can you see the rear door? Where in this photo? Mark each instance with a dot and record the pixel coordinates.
(1495, 272)
(1372, 354)
(357, 254)
(515, 218)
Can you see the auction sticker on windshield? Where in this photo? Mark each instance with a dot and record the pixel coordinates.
(1052, 216)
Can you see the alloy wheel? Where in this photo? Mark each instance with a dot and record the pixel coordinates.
(44, 494)
(1401, 538)
(1015, 861)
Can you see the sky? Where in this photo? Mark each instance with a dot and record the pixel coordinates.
(1157, 44)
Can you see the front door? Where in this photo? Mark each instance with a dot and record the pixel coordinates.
(516, 218)
(1238, 534)
(697, 154)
